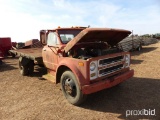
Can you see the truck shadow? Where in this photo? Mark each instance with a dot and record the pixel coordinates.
(5, 66)
(39, 71)
(134, 94)
(133, 61)
(144, 50)
(12, 58)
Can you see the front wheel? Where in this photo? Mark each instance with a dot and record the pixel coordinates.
(70, 88)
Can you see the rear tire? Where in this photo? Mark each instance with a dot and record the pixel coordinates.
(70, 88)
(27, 69)
(31, 67)
(139, 48)
(23, 69)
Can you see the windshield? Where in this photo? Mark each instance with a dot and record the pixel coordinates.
(67, 35)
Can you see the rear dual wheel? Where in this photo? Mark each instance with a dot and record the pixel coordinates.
(26, 69)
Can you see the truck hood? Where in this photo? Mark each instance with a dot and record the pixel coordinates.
(111, 36)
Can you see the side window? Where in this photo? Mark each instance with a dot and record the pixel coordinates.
(52, 39)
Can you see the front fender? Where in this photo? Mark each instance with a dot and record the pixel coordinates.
(73, 66)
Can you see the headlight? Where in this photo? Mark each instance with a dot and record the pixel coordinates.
(93, 70)
(92, 66)
(127, 60)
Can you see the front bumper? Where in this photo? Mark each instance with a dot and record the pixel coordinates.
(107, 83)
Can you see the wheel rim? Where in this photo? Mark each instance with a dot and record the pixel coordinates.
(20, 66)
(139, 48)
(69, 87)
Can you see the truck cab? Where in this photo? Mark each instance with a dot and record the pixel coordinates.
(85, 60)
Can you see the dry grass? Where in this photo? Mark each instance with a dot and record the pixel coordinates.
(31, 98)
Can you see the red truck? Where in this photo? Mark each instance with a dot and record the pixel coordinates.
(82, 60)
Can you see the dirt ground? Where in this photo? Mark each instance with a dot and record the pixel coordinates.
(34, 99)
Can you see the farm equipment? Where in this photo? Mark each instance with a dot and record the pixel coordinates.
(148, 41)
(5, 46)
(14, 44)
(1, 56)
(157, 36)
(82, 60)
(20, 45)
(31, 42)
(130, 43)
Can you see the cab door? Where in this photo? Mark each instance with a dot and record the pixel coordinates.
(49, 51)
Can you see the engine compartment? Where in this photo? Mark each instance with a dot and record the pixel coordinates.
(90, 50)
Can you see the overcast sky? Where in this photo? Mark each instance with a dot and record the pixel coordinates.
(23, 19)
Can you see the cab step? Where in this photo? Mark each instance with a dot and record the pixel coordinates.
(49, 77)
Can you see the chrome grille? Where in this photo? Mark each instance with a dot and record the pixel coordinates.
(110, 60)
(110, 70)
(110, 65)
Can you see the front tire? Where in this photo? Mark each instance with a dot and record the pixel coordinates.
(70, 88)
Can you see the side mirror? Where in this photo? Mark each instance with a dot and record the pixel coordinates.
(43, 37)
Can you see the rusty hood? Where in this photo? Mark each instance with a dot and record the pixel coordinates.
(111, 36)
